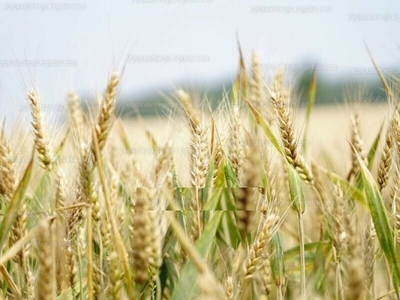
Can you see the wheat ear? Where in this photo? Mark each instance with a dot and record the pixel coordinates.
(257, 95)
(7, 168)
(258, 248)
(145, 239)
(369, 254)
(237, 154)
(42, 142)
(106, 114)
(115, 275)
(357, 142)
(247, 195)
(355, 269)
(77, 118)
(289, 142)
(386, 160)
(46, 289)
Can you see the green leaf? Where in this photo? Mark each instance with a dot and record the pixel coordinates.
(264, 126)
(294, 253)
(214, 200)
(186, 286)
(348, 189)
(277, 260)
(230, 176)
(381, 222)
(296, 190)
(372, 150)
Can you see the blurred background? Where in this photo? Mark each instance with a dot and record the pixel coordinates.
(163, 44)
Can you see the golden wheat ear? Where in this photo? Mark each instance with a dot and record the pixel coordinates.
(77, 118)
(106, 114)
(280, 101)
(46, 280)
(7, 168)
(145, 239)
(42, 142)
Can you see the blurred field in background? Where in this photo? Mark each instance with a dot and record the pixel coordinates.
(329, 132)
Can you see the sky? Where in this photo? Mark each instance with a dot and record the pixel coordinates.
(55, 48)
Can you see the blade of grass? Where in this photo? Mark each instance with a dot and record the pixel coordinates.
(198, 254)
(230, 176)
(17, 247)
(347, 188)
(296, 190)
(119, 245)
(299, 205)
(381, 222)
(13, 286)
(264, 126)
(278, 263)
(372, 150)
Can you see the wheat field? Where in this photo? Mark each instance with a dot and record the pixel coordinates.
(259, 199)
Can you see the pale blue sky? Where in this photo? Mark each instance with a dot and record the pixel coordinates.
(98, 37)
